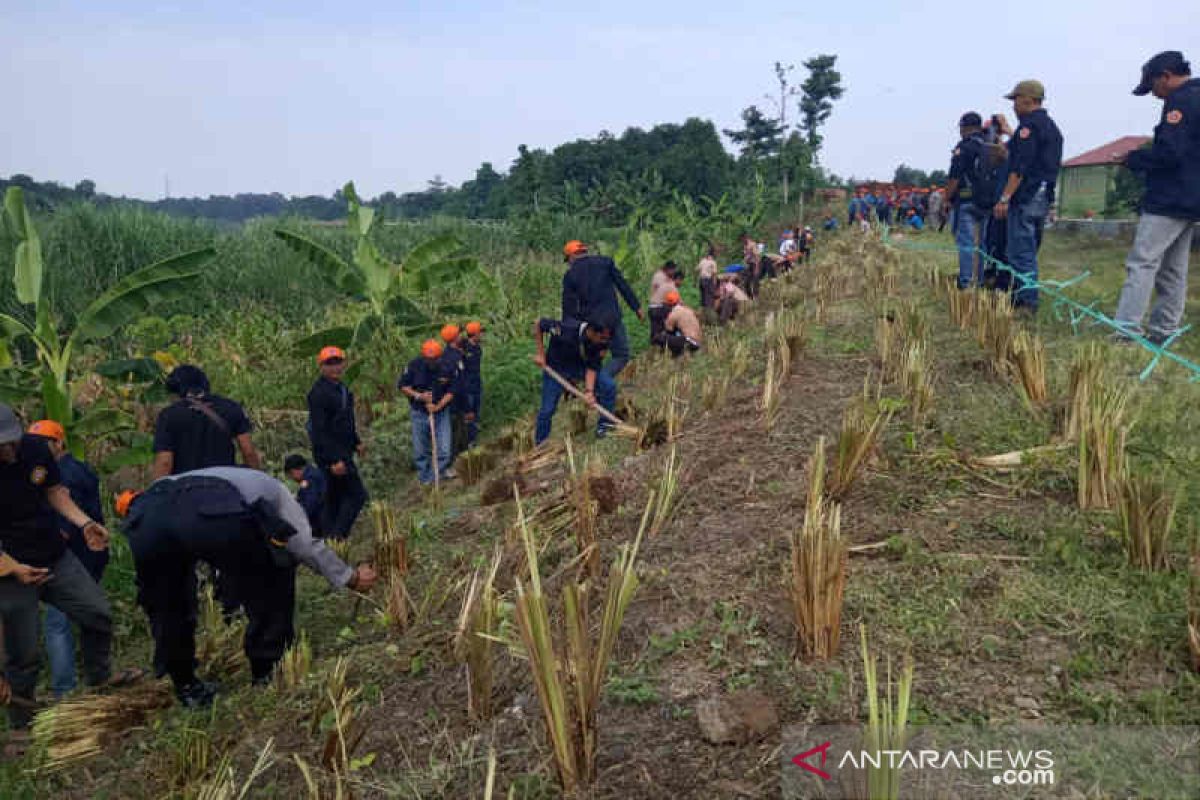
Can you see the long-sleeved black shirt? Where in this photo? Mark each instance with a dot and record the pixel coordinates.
(1172, 164)
(590, 286)
(331, 425)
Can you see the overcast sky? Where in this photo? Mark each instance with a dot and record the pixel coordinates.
(298, 96)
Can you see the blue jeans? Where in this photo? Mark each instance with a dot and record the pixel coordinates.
(970, 234)
(618, 349)
(423, 448)
(606, 396)
(1024, 237)
(60, 649)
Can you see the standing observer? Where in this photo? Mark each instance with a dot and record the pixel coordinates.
(1158, 260)
(972, 195)
(333, 433)
(200, 429)
(38, 566)
(1034, 156)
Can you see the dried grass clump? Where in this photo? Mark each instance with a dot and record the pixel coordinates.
(916, 382)
(478, 625)
(219, 643)
(994, 328)
(391, 562)
(296, 664)
(668, 486)
(224, 785)
(863, 422)
(1103, 429)
(1086, 375)
(714, 391)
(1147, 508)
(79, 727)
(1027, 355)
(339, 701)
(569, 681)
(818, 568)
(963, 303)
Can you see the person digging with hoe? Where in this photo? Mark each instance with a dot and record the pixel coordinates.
(575, 353)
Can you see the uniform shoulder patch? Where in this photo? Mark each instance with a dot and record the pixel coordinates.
(37, 476)
(957, 151)
(1174, 116)
(1024, 132)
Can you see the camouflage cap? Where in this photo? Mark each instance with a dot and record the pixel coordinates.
(1030, 88)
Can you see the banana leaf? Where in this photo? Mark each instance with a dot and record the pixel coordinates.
(452, 269)
(405, 312)
(366, 329)
(27, 275)
(17, 386)
(310, 345)
(432, 251)
(335, 269)
(130, 369)
(135, 456)
(58, 404)
(377, 270)
(139, 292)
(101, 422)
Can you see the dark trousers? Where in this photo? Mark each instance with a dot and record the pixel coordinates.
(472, 398)
(345, 497)
(679, 344)
(708, 292)
(181, 526)
(618, 350)
(658, 320)
(72, 591)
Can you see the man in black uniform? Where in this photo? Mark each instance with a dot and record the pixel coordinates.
(246, 524)
(589, 289)
(1158, 260)
(972, 197)
(1034, 157)
(46, 570)
(472, 390)
(334, 436)
(576, 351)
(200, 428)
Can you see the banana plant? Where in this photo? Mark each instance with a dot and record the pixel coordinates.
(389, 291)
(132, 296)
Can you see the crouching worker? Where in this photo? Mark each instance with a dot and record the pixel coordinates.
(246, 524)
(575, 353)
(682, 326)
(310, 493)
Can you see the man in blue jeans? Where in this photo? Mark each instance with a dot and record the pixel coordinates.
(1034, 157)
(589, 288)
(429, 382)
(576, 352)
(972, 196)
(84, 488)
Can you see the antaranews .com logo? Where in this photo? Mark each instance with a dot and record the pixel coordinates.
(994, 762)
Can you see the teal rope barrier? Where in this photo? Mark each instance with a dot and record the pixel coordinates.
(1078, 312)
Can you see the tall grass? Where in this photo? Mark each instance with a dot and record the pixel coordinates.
(818, 568)
(887, 721)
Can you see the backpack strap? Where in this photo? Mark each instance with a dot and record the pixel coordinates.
(208, 411)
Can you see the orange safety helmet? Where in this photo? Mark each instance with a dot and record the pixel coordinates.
(48, 428)
(574, 248)
(124, 501)
(431, 348)
(329, 353)
(474, 328)
(449, 333)
(672, 298)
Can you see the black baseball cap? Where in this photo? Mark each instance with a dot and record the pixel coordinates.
(1167, 61)
(970, 120)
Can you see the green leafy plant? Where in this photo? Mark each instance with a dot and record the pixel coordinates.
(388, 289)
(142, 291)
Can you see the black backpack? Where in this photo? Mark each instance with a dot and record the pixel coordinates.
(984, 173)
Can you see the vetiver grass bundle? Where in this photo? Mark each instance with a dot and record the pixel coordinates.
(219, 644)
(863, 422)
(1102, 433)
(994, 329)
(79, 727)
(586, 514)
(769, 401)
(569, 687)
(391, 560)
(962, 303)
(1086, 375)
(224, 785)
(295, 665)
(668, 485)
(1147, 508)
(915, 381)
(818, 568)
(1028, 357)
(478, 623)
(886, 722)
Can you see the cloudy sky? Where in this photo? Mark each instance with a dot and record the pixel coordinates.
(298, 96)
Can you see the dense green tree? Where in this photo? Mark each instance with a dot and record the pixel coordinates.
(760, 136)
(819, 90)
